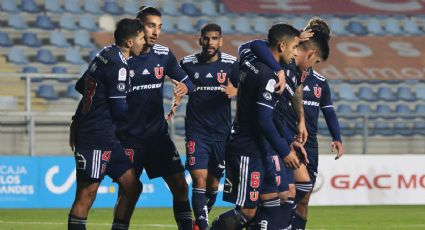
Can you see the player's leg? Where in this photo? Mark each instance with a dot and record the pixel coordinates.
(212, 190)
(287, 194)
(303, 182)
(216, 166)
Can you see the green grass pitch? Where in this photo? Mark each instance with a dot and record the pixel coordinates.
(336, 217)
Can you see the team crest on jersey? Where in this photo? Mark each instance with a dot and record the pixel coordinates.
(317, 91)
(221, 77)
(159, 72)
(253, 196)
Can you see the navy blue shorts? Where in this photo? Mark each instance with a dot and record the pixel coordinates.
(94, 164)
(245, 177)
(159, 156)
(202, 154)
(313, 162)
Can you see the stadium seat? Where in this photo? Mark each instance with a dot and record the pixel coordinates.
(87, 22)
(5, 40)
(107, 23)
(72, 93)
(420, 109)
(67, 21)
(16, 56)
(403, 129)
(9, 6)
(382, 128)
(420, 93)
(374, 27)
(92, 7)
(344, 109)
(58, 39)
(45, 56)
(179, 126)
(384, 111)
(168, 91)
(412, 81)
(419, 127)
(201, 22)
(47, 92)
(190, 9)
(366, 93)
(208, 8)
(346, 130)
(226, 25)
(53, 6)
(404, 93)
(385, 94)
(181, 110)
(73, 56)
(44, 22)
(392, 27)
(168, 25)
(363, 109)
(356, 28)
(171, 9)
(359, 127)
(261, 25)
(92, 54)
(346, 93)
(130, 7)
(403, 109)
(323, 128)
(30, 69)
(243, 25)
(410, 27)
(17, 22)
(60, 70)
(30, 6)
(184, 24)
(82, 39)
(334, 95)
(73, 6)
(112, 7)
(30, 39)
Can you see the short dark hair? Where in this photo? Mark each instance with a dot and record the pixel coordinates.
(321, 37)
(127, 28)
(281, 32)
(145, 11)
(210, 27)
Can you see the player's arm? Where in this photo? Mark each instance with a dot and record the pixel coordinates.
(297, 102)
(116, 82)
(331, 121)
(231, 89)
(74, 125)
(183, 85)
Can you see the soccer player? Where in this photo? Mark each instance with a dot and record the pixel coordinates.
(253, 133)
(146, 136)
(97, 150)
(208, 117)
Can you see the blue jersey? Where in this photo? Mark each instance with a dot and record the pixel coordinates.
(316, 96)
(145, 97)
(208, 112)
(105, 79)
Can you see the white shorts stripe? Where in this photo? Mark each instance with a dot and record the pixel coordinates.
(271, 107)
(243, 179)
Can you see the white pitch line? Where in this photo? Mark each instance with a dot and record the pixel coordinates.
(89, 224)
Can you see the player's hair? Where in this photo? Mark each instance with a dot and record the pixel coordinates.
(281, 32)
(210, 27)
(145, 11)
(321, 37)
(127, 28)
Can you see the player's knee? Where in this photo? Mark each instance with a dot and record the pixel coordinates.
(199, 183)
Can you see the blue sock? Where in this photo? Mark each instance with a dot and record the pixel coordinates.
(120, 225)
(211, 197)
(232, 219)
(298, 222)
(182, 215)
(268, 215)
(302, 189)
(199, 205)
(286, 211)
(76, 223)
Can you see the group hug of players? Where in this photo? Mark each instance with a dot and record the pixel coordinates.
(269, 153)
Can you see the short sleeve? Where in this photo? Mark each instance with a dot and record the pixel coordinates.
(174, 70)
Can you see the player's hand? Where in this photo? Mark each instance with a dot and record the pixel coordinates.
(72, 131)
(306, 35)
(337, 145)
(180, 89)
(280, 86)
(229, 90)
(302, 133)
(174, 105)
(299, 147)
(291, 160)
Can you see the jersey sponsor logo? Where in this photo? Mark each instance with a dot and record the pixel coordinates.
(122, 74)
(208, 88)
(225, 60)
(221, 77)
(159, 72)
(121, 87)
(93, 68)
(306, 88)
(317, 91)
(270, 85)
(312, 103)
(102, 58)
(267, 96)
(256, 71)
(150, 86)
(209, 75)
(145, 72)
(58, 189)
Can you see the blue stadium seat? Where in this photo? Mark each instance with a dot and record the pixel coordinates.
(67, 21)
(404, 93)
(403, 129)
(334, 95)
(243, 25)
(167, 106)
(30, 69)
(45, 56)
(168, 25)
(5, 40)
(53, 6)
(346, 130)
(44, 22)
(30, 6)
(384, 111)
(60, 70)
(16, 56)
(411, 27)
(209, 8)
(168, 91)
(179, 125)
(392, 26)
(420, 109)
(87, 22)
(47, 92)
(261, 25)
(346, 93)
(419, 127)
(170, 8)
(9, 6)
(190, 9)
(363, 109)
(82, 39)
(403, 109)
(356, 28)
(58, 39)
(366, 93)
(30, 39)
(201, 22)
(92, 7)
(17, 22)
(72, 93)
(382, 128)
(374, 27)
(73, 56)
(344, 109)
(226, 25)
(185, 25)
(181, 110)
(323, 129)
(112, 7)
(359, 127)
(385, 94)
(73, 6)
(92, 54)
(420, 92)
(130, 7)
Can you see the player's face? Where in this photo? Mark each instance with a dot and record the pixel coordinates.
(211, 42)
(289, 50)
(152, 29)
(137, 43)
(306, 58)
